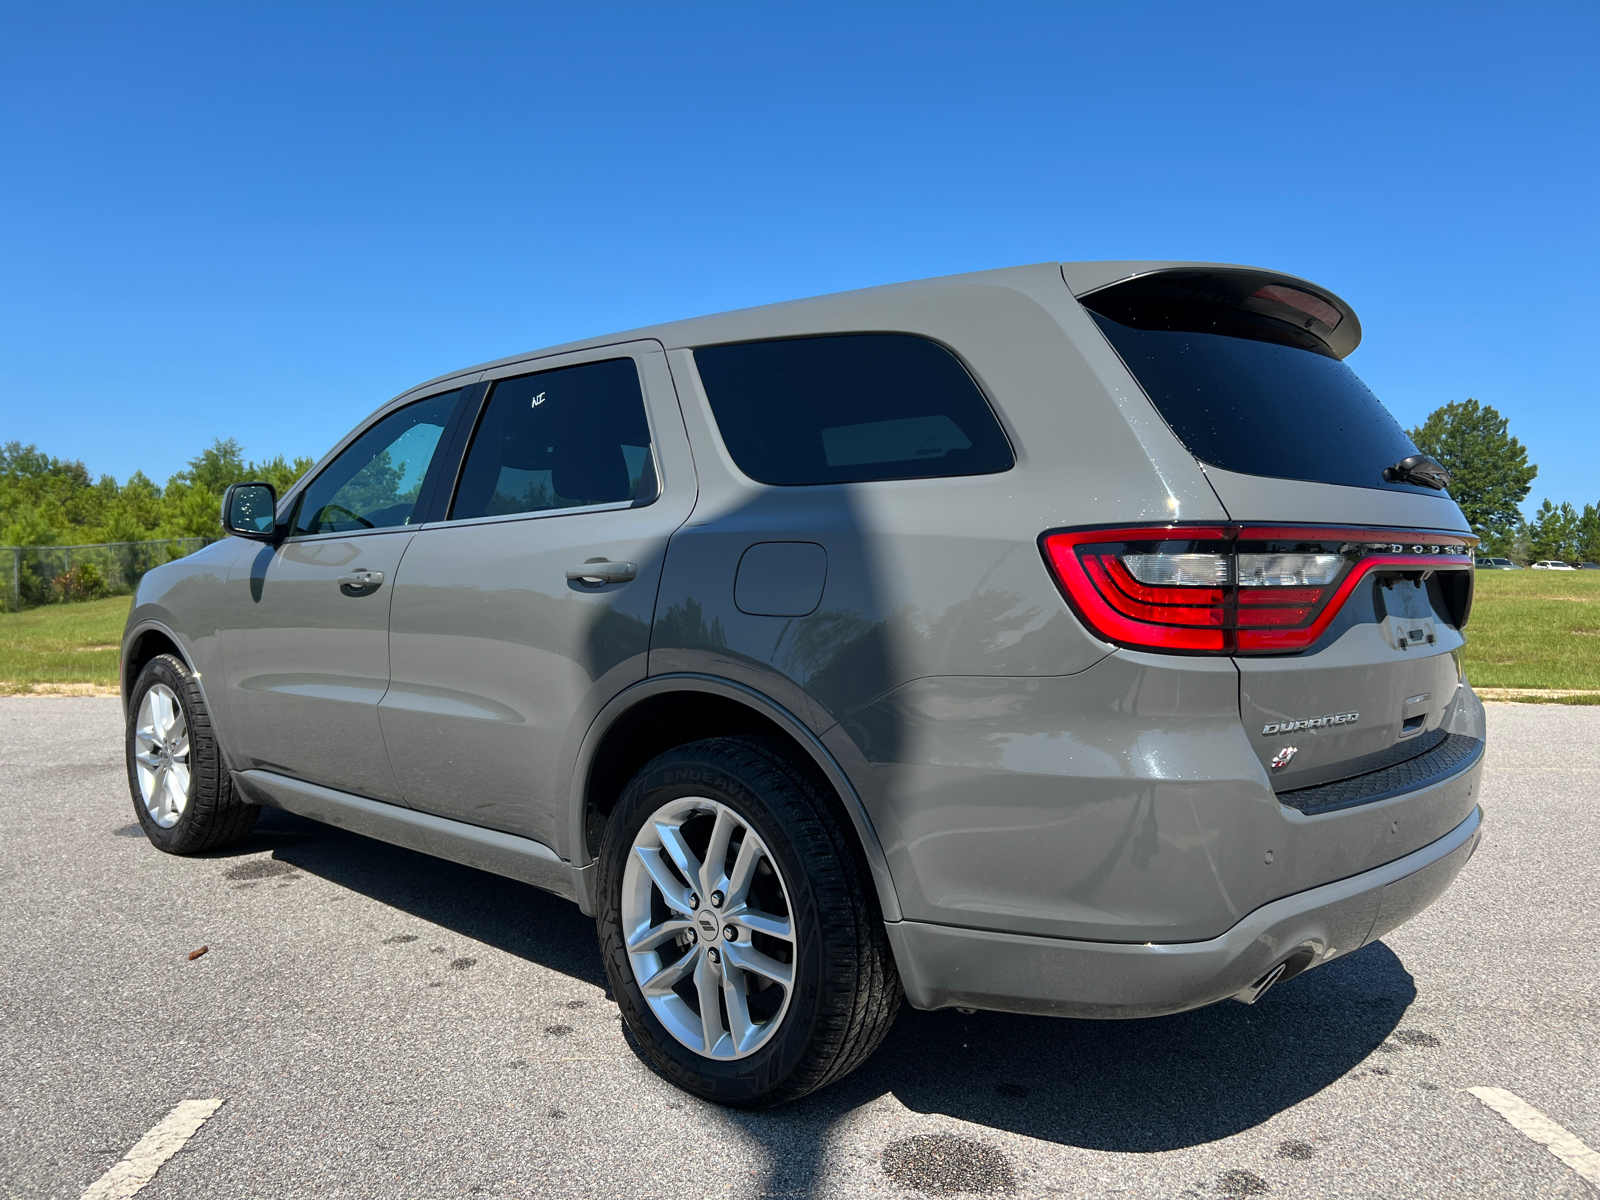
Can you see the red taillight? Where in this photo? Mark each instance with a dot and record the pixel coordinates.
(1093, 569)
(1231, 589)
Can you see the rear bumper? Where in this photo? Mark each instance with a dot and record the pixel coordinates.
(943, 966)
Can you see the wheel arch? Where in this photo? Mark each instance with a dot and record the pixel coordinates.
(147, 640)
(669, 710)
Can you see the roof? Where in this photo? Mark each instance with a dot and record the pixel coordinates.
(842, 311)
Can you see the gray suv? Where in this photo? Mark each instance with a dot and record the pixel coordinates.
(1073, 639)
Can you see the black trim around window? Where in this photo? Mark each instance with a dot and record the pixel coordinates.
(439, 485)
(443, 477)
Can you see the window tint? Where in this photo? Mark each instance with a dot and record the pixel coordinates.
(1248, 392)
(374, 482)
(850, 408)
(559, 439)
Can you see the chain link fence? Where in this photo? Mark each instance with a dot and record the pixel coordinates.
(33, 575)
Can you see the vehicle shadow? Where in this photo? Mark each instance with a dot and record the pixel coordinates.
(1135, 1086)
(499, 912)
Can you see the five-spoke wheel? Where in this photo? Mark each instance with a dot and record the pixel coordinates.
(182, 792)
(162, 757)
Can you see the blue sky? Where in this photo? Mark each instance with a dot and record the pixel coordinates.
(262, 221)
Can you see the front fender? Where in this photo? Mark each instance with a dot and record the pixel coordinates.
(183, 603)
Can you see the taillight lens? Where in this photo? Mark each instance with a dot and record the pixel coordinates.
(1289, 570)
(1165, 589)
(1180, 570)
(1232, 589)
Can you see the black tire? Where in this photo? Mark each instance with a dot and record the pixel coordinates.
(846, 990)
(215, 815)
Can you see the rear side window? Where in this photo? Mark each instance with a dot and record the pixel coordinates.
(1246, 389)
(559, 439)
(850, 408)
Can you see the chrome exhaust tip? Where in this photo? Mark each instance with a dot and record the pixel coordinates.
(1259, 988)
(1297, 962)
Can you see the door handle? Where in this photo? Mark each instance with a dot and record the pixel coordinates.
(360, 581)
(594, 574)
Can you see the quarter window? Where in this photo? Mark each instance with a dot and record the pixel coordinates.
(559, 439)
(374, 482)
(850, 408)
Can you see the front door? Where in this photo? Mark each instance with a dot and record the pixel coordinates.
(307, 641)
(518, 617)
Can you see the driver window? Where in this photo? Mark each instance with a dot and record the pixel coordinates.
(374, 482)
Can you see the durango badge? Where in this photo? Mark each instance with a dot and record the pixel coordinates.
(1273, 727)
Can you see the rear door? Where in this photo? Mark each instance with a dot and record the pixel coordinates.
(307, 644)
(516, 618)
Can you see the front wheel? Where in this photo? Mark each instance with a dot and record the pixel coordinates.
(182, 793)
(738, 926)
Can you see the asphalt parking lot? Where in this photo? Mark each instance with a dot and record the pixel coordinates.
(377, 1023)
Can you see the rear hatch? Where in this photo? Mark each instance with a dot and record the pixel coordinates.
(1343, 580)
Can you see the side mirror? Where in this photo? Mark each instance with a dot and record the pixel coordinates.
(249, 510)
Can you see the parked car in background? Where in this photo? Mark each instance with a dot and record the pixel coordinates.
(1496, 564)
(1002, 641)
(1587, 566)
(1553, 564)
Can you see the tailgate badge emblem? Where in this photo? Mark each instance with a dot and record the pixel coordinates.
(1273, 727)
(1280, 760)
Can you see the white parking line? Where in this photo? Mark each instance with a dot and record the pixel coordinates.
(1529, 1121)
(139, 1165)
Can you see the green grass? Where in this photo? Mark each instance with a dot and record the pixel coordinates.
(1535, 629)
(62, 644)
(1530, 629)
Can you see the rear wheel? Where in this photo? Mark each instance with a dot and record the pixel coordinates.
(182, 793)
(738, 926)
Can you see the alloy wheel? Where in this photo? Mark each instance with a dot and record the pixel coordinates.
(162, 757)
(709, 928)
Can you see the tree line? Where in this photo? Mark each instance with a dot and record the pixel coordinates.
(1490, 477)
(46, 501)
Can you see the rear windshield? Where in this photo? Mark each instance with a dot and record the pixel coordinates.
(848, 408)
(1262, 398)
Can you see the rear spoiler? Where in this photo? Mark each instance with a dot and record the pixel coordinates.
(1197, 295)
